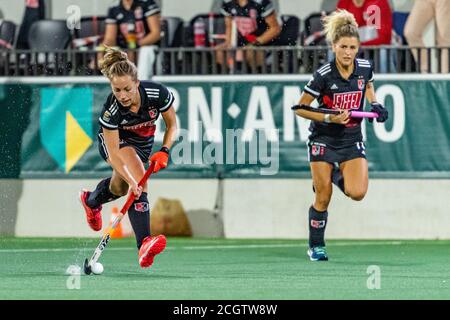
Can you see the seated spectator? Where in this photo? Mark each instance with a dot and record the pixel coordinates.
(132, 24)
(256, 25)
(374, 18)
(421, 15)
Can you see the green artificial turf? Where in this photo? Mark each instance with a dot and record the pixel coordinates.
(205, 269)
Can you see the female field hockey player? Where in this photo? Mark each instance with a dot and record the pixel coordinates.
(335, 148)
(126, 135)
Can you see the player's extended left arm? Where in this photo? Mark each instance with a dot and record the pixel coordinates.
(375, 106)
(161, 158)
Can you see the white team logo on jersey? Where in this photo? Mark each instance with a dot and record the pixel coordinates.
(106, 116)
(360, 84)
(138, 13)
(153, 113)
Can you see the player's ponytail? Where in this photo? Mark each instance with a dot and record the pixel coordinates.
(116, 63)
(340, 23)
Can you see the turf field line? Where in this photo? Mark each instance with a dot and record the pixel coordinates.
(213, 247)
(252, 246)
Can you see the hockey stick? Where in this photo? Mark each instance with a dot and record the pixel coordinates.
(107, 236)
(353, 114)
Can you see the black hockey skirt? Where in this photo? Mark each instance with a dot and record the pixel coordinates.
(142, 150)
(319, 151)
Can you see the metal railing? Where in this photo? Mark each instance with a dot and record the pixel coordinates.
(207, 61)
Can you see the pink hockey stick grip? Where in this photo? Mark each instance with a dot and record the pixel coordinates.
(364, 114)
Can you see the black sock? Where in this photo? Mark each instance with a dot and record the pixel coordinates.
(139, 214)
(317, 225)
(101, 194)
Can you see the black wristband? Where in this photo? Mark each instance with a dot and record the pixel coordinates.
(165, 149)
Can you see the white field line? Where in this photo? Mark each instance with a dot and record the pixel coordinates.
(212, 247)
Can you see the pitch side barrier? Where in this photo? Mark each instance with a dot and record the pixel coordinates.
(232, 126)
(216, 61)
(49, 153)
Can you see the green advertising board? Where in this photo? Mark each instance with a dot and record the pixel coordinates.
(233, 126)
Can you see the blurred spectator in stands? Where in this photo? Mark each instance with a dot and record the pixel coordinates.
(132, 24)
(421, 15)
(34, 11)
(374, 18)
(249, 23)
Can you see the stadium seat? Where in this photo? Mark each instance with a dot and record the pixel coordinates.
(91, 26)
(172, 32)
(313, 35)
(49, 35)
(7, 34)
(91, 32)
(89, 36)
(289, 36)
(290, 31)
(46, 36)
(191, 62)
(7, 37)
(172, 36)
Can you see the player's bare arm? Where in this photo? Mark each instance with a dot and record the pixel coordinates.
(171, 127)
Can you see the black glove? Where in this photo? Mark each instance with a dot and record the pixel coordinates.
(382, 112)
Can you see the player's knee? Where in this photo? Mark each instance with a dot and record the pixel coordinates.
(119, 189)
(356, 194)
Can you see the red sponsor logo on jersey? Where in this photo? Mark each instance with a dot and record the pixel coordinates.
(245, 25)
(140, 29)
(145, 129)
(347, 100)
